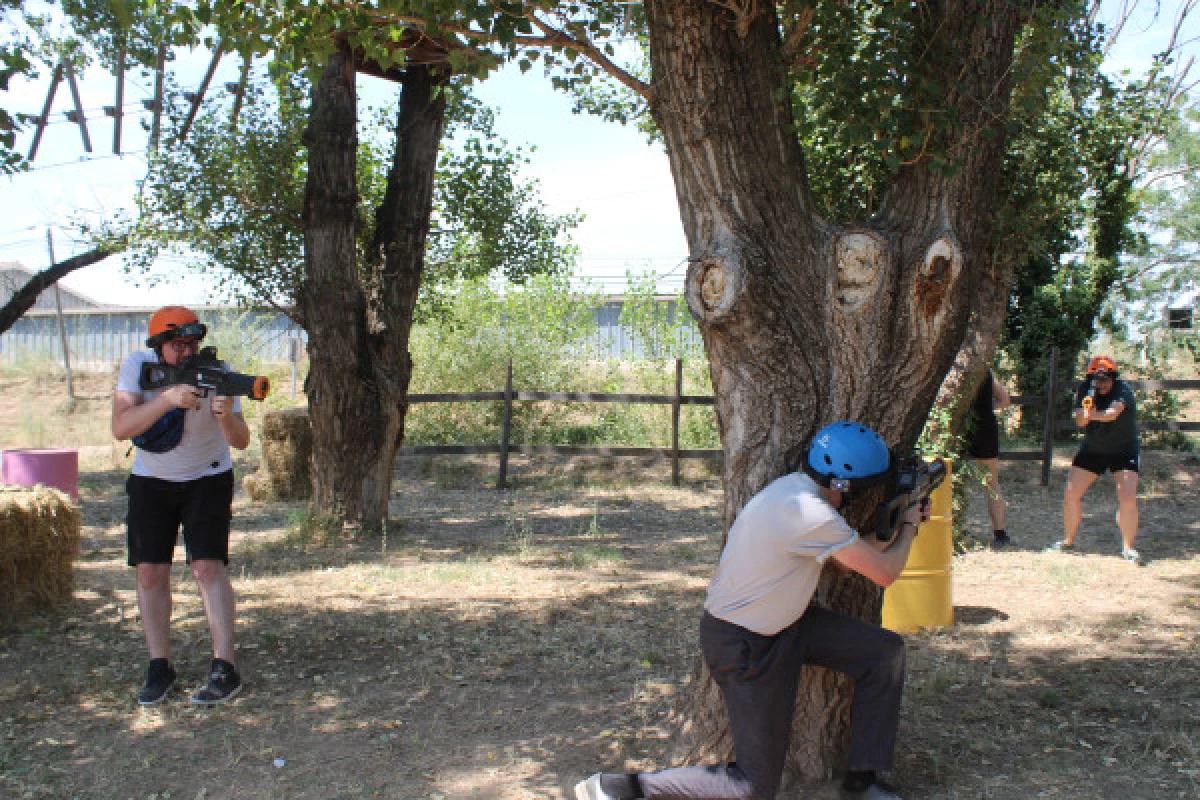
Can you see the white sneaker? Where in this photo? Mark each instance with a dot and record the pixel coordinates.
(1132, 556)
(590, 790)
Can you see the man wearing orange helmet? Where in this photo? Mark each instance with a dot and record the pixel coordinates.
(182, 478)
(1107, 413)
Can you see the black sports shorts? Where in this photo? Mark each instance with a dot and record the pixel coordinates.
(1099, 463)
(158, 508)
(985, 439)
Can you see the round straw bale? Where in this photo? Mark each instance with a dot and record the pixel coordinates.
(39, 537)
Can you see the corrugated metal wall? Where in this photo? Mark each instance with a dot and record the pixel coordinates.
(100, 337)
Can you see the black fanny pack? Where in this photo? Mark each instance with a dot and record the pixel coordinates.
(164, 434)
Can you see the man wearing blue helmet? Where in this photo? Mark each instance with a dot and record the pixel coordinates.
(759, 628)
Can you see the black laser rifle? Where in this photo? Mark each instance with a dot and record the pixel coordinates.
(205, 372)
(915, 481)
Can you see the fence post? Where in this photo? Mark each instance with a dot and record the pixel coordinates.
(1050, 426)
(675, 403)
(504, 426)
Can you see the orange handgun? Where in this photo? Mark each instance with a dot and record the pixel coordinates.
(1088, 400)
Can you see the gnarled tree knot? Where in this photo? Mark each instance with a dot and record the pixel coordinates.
(939, 269)
(712, 288)
(861, 258)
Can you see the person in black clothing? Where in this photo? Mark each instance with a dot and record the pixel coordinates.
(1107, 412)
(983, 445)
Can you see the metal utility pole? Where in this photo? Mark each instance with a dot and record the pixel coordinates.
(62, 326)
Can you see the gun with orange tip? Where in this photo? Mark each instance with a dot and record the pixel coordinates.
(205, 372)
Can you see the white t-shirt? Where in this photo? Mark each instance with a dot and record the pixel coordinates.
(202, 450)
(774, 554)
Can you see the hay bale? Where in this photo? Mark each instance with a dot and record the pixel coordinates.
(39, 537)
(286, 470)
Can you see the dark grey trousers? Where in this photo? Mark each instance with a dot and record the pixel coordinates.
(759, 675)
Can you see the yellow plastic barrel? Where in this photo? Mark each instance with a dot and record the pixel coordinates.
(921, 596)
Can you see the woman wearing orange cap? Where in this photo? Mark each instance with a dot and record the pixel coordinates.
(1107, 412)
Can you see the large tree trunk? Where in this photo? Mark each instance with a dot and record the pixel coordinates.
(807, 321)
(347, 406)
(359, 321)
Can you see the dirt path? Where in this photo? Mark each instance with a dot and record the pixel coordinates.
(503, 645)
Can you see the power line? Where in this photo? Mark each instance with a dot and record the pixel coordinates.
(27, 228)
(17, 242)
(87, 160)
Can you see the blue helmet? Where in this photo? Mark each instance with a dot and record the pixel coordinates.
(848, 455)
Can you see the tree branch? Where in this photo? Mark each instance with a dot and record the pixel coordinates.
(27, 295)
(557, 38)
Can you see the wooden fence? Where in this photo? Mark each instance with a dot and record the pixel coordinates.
(678, 399)
(508, 397)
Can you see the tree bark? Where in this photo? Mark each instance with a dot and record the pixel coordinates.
(359, 316)
(343, 396)
(402, 227)
(805, 320)
(24, 298)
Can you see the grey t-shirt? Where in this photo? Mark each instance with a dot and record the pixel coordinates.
(773, 555)
(203, 449)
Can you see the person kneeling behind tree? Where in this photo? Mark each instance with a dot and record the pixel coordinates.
(182, 477)
(760, 627)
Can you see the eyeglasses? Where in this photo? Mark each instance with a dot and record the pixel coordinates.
(182, 345)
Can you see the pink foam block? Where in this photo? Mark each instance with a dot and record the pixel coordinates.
(58, 468)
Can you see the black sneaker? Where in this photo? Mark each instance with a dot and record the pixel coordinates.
(1001, 540)
(224, 683)
(160, 677)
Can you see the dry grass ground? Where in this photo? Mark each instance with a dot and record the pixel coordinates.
(505, 644)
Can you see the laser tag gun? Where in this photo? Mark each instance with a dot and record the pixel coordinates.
(205, 372)
(915, 481)
(1089, 399)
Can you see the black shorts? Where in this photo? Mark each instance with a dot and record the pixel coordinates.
(158, 508)
(985, 439)
(1099, 463)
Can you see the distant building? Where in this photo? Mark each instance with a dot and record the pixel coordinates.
(1181, 312)
(14, 275)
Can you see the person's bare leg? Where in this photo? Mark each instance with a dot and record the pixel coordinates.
(1127, 509)
(1078, 482)
(154, 603)
(997, 508)
(219, 605)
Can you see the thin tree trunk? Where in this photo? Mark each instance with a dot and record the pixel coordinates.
(989, 305)
(402, 227)
(807, 321)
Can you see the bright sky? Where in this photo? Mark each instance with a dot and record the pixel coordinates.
(621, 183)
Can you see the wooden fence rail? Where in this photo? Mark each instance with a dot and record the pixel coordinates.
(508, 397)
(677, 400)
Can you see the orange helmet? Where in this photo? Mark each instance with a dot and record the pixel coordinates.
(174, 322)
(1102, 364)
